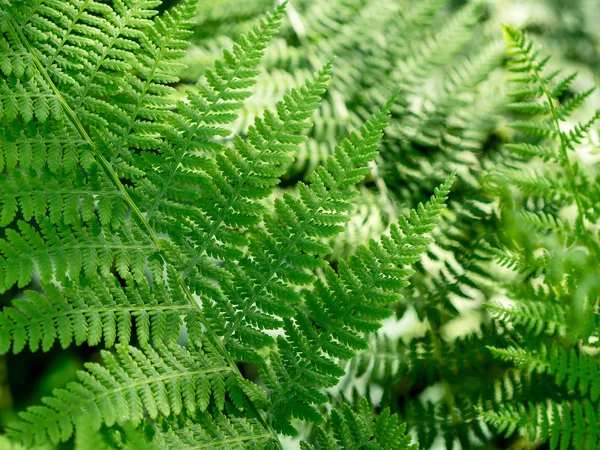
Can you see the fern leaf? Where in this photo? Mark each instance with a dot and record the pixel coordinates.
(63, 251)
(98, 310)
(564, 425)
(130, 385)
(206, 431)
(575, 369)
(543, 152)
(240, 177)
(357, 429)
(536, 317)
(262, 290)
(341, 306)
(210, 106)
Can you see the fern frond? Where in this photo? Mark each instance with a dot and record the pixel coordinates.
(43, 197)
(238, 179)
(456, 423)
(211, 431)
(540, 97)
(131, 384)
(564, 425)
(211, 105)
(544, 152)
(526, 265)
(64, 251)
(388, 360)
(575, 369)
(434, 50)
(262, 290)
(128, 153)
(537, 317)
(546, 184)
(97, 310)
(352, 301)
(361, 430)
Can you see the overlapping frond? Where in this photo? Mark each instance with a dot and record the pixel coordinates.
(138, 217)
(282, 255)
(360, 429)
(93, 310)
(563, 425)
(536, 317)
(552, 317)
(577, 370)
(129, 385)
(425, 358)
(212, 431)
(339, 309)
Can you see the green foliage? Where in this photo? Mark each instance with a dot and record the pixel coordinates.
(557, 256)
(359, 430)
(130, 216)
(235, 257)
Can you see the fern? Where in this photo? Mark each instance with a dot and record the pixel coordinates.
(241, 249)
(128, 215)
(558, 255)
(126, 388)
(359, 430)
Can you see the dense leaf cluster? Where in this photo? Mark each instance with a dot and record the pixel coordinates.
(234, 244)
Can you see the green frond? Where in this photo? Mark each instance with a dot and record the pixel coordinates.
(536, 129)
(234, 244)
(211, 431)
(263, 289)
(433, 51)
(448, 116)
(575, 369)
(564, 425)
(371, 216)
(539, 96)
(544, 222)
(527, 265)
(340, 308)
(41, 196)
(581, 130)
(130, 385)
(456, 423)
(238, 178)
(550, 322)
(544, 152)
(547, 183)
(97, 310)
(536, 317)
(360, 429)
(63, 251)
(424, 358)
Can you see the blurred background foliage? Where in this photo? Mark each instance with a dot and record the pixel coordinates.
(446, 58)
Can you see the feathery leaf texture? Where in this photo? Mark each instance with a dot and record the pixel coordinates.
(553, 319)
(128, 215)
(353, 300)
(265, 283)
(129, 385)
(359, 429)
(563, 425)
